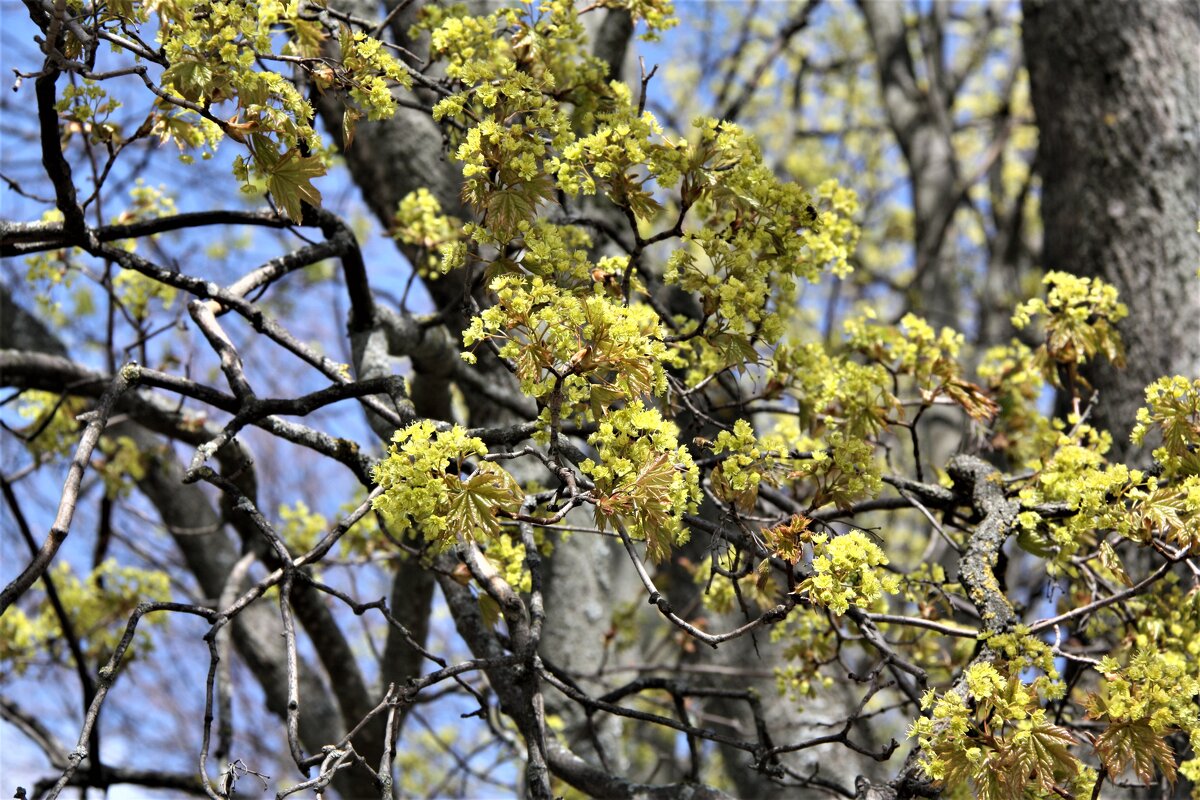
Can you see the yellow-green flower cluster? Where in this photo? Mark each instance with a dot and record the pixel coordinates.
(834, 239)
(713, 352)
(991, 734)
(809, 642)
(643, 477)
(595, 350)
(560, 253)
(930, 358)
(189, 131)
(834, 392)
(124, 462)
(1080, 317)
(302, 528)
(844, 471)
(212, 56)
(53, 419)
(723, 593)
(88, 107)
(911, 348)
(539, 117)
(1157, 687)
(50, 269)
(1020, 650)
(756, 235)
(364, 540)
(427, 486)
(557, 253)
(846, 572)
(1111, 496)
(1173, 412)
(420, 223)
(371, 72)
(513, 105)
(1077, 473)
(508, 557)
(748, 460)
(756, 586)
(659, 15)
(619, 155)
(97, 608)
(547, 43)
(1168, 625)
(136, 290)
(1153, 696)
(212, 50)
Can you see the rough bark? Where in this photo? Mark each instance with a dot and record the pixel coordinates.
(1116, 89)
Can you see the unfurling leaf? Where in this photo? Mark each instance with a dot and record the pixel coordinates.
(973, 399)
(1112, 562)
(474, 503)
(787, 540)
(290, 182)
(1136, 743)
(350, 118)
(744, 499)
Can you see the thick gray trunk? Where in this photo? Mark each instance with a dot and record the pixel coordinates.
(1116, 89)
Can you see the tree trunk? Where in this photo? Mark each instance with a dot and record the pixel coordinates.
(1116, 89)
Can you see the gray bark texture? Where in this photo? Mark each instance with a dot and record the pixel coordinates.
(1116, 89)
